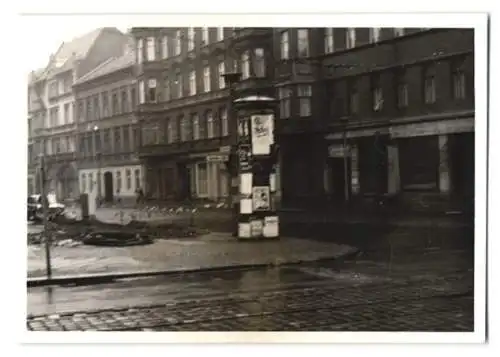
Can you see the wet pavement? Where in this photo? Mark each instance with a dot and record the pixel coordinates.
(208, 251)
(429, 290)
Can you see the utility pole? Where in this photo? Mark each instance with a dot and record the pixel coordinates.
(45, 209)
(231, 79)
(345, 151)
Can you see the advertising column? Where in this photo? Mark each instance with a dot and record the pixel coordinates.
(257, 180)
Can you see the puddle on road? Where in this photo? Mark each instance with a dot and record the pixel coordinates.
(342, 276)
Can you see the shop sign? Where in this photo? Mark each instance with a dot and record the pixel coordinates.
(433, 128)
(338, 151)
(217, 158)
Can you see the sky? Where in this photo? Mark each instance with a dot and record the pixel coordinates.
(50, 31)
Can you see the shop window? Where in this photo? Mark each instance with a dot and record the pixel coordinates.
(419, 163)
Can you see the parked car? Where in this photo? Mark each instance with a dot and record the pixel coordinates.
(35, 207)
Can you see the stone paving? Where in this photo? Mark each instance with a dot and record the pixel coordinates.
(437, 304)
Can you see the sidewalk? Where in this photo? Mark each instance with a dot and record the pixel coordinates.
(209, 251)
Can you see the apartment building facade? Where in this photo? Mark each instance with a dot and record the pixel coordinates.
(51, 107)
(184, 100)
(377, 111)
(107, 129)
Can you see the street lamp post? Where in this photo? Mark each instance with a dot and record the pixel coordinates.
(45, 210)
(231, 79)
(344, 149)
(98, 161)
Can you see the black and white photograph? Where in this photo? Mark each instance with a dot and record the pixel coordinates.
(366, 213)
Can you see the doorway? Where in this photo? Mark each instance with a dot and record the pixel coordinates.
(108, 186)
(339, 177)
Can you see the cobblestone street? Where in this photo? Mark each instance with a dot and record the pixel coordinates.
(315, 297)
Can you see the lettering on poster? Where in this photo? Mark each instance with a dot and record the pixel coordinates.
(245, 157)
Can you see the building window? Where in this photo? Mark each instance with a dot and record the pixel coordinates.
(137, 175)
(220, 33)
(377, 94)
(177, 48)
(91, 181)
(106, 140)
(196, 126)
(304, 92)
(202, 179)
(245, 65)
(118, 182)
(124, 101)
(90, 112)
(183, 122)
(203, 126)
(224, 122)
(221, 71)
(303, 42)
(164, 47)
(205, 38)
(353, 100)
(429, 86)
(350, 38)
(191, 33)
(53, 89)
(284, 45)
(374, 34)
(140, 50)
(458, 78)
(169, 131)
(84, 183)
(329, 40)
(126, 139)
(142, 94)
(166, 90)
(402, 90)
(118, 140)
(180, 85)
(210, 125)
(259, 63)
(114, 103)
(66, 113)
(128, 174)
(284, 95)
(206, 79)
(152, 90)
(81, 111)
(133, 98)
(105, 104)
(192, 82)
(151, 50)
(399, 31)
(97, 112)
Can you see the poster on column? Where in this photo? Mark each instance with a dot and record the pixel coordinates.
(261, 198)
(262, 134)
(245, 157)
(244, 130)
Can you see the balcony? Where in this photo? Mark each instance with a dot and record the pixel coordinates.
(263, 85)
(60, 158)
(244, 33)
(184, 147)
(295, 70)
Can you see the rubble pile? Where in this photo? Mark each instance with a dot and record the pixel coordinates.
(69, 232)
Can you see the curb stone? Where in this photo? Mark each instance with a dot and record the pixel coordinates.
(92, 279)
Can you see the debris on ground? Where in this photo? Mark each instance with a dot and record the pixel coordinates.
(71, 232)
